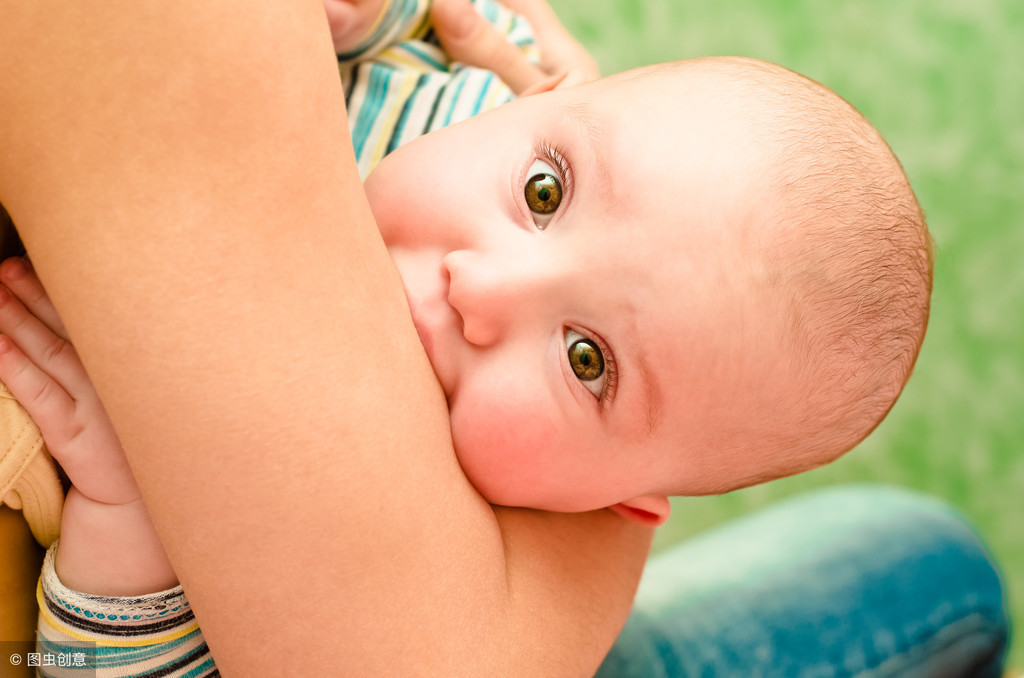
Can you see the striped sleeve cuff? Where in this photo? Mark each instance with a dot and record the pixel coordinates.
(154, 634)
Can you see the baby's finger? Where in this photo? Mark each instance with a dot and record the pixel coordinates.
(51, 353)
(468, 37)
(45, 401)
(21, 279)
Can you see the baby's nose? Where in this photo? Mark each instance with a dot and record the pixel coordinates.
(491, 294)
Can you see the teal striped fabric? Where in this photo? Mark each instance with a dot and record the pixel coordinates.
(84, 635)
(401, 85)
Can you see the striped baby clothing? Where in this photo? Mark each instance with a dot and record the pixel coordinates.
(399, 84)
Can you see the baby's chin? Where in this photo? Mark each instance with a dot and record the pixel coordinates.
(519, 488)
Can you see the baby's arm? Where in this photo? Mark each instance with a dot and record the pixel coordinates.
(108, 545)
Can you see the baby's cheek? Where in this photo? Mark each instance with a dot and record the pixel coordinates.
(505, 451)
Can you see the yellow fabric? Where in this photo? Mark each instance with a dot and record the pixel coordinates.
(20, 560)
(28, 476)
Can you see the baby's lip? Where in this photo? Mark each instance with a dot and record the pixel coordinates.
(426, 337)
(422, 329)
(426, 291)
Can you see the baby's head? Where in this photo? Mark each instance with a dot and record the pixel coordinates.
(684, 279)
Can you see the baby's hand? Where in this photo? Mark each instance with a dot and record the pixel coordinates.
(560, 52)
(43, 371)
(108, 544)
(467, 37)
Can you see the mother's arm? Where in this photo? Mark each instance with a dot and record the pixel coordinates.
(182, 176)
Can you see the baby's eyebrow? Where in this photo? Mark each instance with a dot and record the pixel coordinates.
(592, 130)
(651, 395)
(582, 114)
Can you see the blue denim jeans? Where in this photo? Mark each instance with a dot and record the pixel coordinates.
(864, 581)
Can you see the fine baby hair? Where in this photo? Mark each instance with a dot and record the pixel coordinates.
(844, 258)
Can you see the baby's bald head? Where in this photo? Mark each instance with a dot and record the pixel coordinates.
(843, 264)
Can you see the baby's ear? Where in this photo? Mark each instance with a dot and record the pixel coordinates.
(652, 511)
(569, 78)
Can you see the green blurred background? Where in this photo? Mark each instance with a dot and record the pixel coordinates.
(943, 80)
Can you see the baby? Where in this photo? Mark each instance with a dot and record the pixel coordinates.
(679, 280)
(684, 279)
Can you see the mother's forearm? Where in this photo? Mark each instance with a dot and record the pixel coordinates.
(182, 176)
(173, 169)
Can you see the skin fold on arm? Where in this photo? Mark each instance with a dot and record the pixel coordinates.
(181, 174)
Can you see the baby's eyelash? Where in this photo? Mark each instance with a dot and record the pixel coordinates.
(611, 370)
(611, 379)
(556, 158)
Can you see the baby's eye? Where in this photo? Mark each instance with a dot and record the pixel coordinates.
(586, 361)
(543, 192)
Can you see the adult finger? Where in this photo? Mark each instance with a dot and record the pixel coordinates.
(468, 37)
